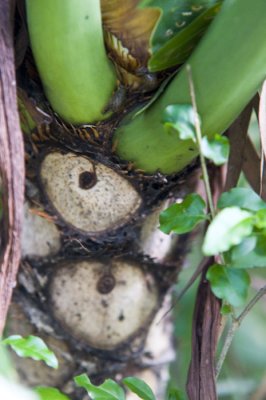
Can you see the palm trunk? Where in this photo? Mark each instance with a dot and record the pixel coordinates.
(95, 289)
(95, 272)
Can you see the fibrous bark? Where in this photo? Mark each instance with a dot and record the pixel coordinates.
(95, 269)
(94, 293)
(11, 164)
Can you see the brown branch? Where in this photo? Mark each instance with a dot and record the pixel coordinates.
(11, 163)
(201, 383)
(251, 166)
(237, 134)
(235, 325)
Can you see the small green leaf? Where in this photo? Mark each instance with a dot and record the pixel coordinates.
(229, 284)
(33, 347)
(48, 393)
(139, 387)
(180, 118)
(250, 253)
(183, 217)
(109, 390)
(242, 197)
(227, 229)
(216, 149)
(175, 394)
(226, 309)
(260, 219)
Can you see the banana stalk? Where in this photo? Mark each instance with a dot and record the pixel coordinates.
(228, 67)
(67, 43)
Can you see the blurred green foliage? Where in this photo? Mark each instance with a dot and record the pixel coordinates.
(244, 371)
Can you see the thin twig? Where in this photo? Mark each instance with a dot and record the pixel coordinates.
(236, 322)
(199, 138)
(226, 346)
(192, 279)
(251, 304)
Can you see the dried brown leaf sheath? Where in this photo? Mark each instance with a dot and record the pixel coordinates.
(11, 163)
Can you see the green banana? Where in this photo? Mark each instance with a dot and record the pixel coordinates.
(67, 43)
(228, 67)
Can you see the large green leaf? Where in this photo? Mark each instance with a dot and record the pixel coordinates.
(241, 197)
(48, 393)
(109, 390)
(222, 89)
(33, 347)
(227, 229)
(139, 387)
(175, 17)
(229, 284)
(174, 49)
(183, 217)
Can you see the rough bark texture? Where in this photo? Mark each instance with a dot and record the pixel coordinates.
(68, 268)
(11, 164)
(238, 138)
(201, 383)
(92, 292)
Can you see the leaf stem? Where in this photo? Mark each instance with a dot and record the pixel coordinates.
(236, 322)
(227, 343)
(199, 138)
(251, 304)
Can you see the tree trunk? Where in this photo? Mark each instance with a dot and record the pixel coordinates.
(96, 271)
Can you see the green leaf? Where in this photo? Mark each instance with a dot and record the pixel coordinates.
(177, 48)
(242, 197)
(33, 347)
(229, 284)
(48, 393)
(260, 219)
(173, 39)
(226, 309)
(180, 118)
(109, 390)
(183, 217)
(227, 229)
(175, 394)
(139, 387)
(216, 149)
(251, 252)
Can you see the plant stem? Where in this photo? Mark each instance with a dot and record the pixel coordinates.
(199, 138)
(68, 47)
(192, 280)
(236, 322)
(227, 343)
(251, 304)
(223, 89)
